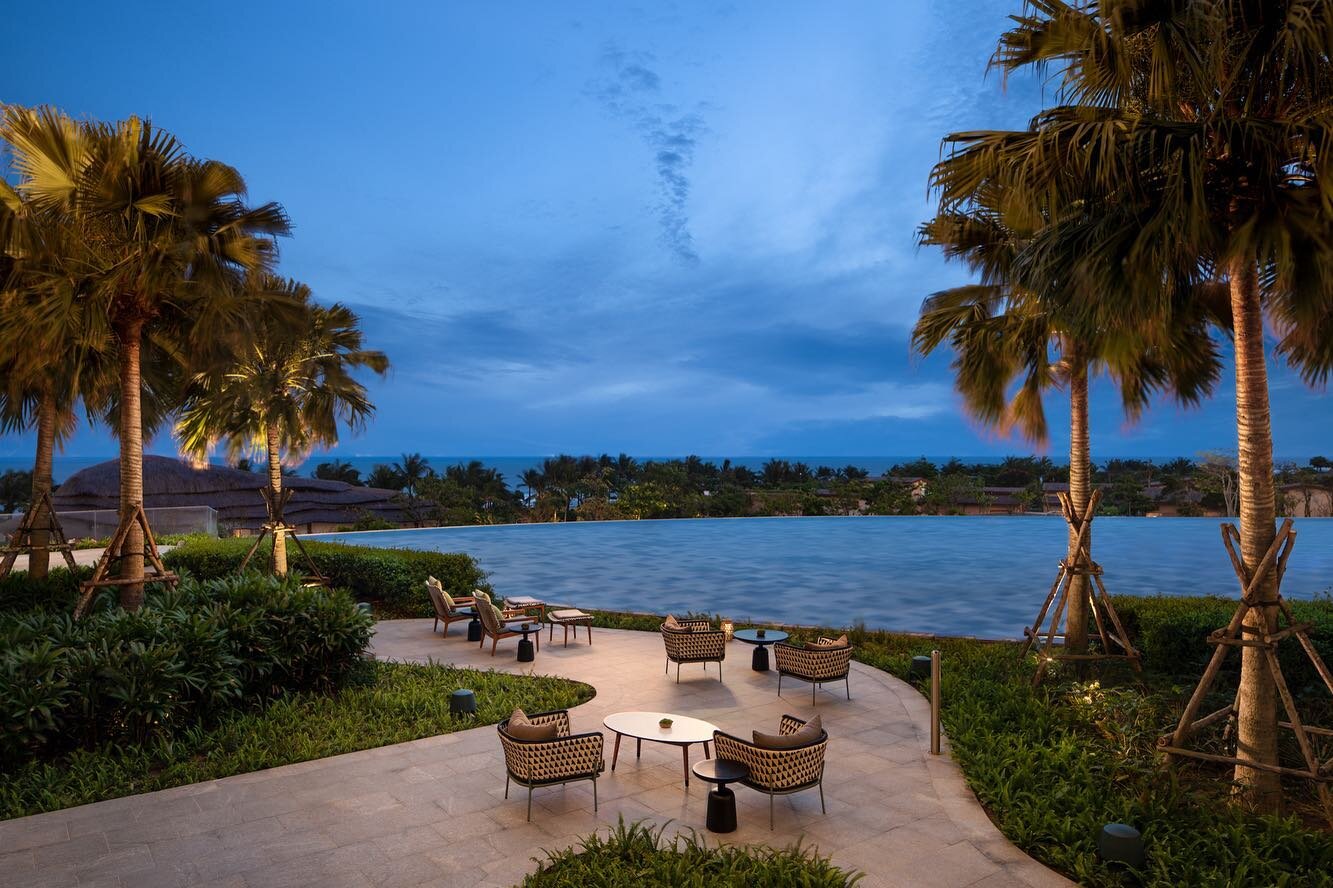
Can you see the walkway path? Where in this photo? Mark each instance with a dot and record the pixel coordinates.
(432, 812)
(83, 557)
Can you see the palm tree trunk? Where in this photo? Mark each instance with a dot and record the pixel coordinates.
(275, 491)
(39, 557)
(131, 563)
(1256, 735)
(1080, 489)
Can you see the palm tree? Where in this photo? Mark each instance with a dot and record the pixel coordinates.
(1189, 150)
(284, 390)
(339, 470)
(157, 239)
(1001, 333)
(412, 470)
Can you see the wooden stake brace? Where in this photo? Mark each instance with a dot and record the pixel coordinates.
(113, 553)
(20, 541)
(1235, 634)
(275, 523)
(1115, 643)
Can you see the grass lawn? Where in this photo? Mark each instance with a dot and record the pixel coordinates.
(1052, 765)
(387, 703)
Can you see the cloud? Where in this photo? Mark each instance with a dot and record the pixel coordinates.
(631, 92)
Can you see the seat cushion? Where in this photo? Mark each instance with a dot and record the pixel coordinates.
(808, 734)
(567, 615)
(840, 641)
(521, 729)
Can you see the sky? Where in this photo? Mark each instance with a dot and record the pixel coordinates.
(661, 228)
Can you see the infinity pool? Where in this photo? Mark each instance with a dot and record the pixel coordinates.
(981, 576)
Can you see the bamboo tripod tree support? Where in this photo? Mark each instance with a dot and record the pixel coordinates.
(1109, 629)
(113, 554)
(20, 541)
(1236, 634)
(275, 523)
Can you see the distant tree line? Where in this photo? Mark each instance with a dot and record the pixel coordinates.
(605, 487)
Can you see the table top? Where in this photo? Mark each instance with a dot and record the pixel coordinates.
(720, 770)
(770, 635)
(644, 726)
(524, 626)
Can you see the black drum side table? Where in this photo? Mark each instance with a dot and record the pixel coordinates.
(721, 801)
(759, 662)
(525, 652)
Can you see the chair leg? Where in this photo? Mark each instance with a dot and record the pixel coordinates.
(506, 786)
(594, 794)
(848, 680)
(529, 804)
(779, 684)
(667, 667)
(495, 639)
(436, 626)
(677, 673)
(770, 812)
(813, 688)
(822, 809)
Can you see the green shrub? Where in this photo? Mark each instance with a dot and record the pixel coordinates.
(188, 655)
(58, 590)
(380, 703)
(636, 856)
(392, 578)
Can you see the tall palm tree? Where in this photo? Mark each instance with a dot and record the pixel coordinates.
(1190, 147)
(1001, 333)
(413, 470)
(160, 236)
(285, 388)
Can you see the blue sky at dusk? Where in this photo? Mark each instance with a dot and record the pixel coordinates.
(660, 228)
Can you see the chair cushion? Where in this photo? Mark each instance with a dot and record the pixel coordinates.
(800, 737)
(521, 729)
(840, 641)
(478, 593)
(566, 615)
(672, 623)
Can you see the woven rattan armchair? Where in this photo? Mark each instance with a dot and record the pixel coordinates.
(445, 612)
(694, 642)
(817, 664)
(778, 771)
(566, 759)
(494, 629)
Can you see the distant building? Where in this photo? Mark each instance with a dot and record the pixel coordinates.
(316, 506)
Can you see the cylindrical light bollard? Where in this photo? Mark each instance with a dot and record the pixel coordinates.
(934, 702)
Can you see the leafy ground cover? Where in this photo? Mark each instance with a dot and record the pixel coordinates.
(382, 703)
(1052, 765)
(636, 856)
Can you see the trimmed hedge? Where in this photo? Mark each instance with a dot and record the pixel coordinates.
(392, 578)
(189, 655)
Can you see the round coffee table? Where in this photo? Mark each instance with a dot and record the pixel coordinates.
(684, 732)
(721, 801)
(759, 662)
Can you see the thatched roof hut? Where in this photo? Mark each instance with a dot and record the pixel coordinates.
(315, 504)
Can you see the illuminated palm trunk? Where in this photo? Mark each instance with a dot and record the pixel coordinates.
(1080, 489)
(275, 491)
(1256, 730)
(39, 557)
(131, 561)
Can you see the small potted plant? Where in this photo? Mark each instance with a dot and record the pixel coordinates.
(664, 724)
(760, 633)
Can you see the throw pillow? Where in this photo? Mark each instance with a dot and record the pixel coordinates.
(807, 734)
(672, 623)
(521, 729)
(840, 641)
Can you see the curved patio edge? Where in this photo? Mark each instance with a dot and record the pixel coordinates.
(433, 812)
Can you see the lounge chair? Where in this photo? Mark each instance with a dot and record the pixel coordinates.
(693, 641)
(825, 661)
(496, 624)
(780, 771)
(447, 608)
(558, 759)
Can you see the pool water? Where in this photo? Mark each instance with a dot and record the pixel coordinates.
(983, 576)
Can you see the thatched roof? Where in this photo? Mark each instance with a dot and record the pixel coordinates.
(232, 492)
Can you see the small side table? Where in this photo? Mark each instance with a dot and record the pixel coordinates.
(759, 662)
(721, 801)
(473, 626)
(525, 651)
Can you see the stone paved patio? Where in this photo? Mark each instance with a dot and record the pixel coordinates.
(432, 812)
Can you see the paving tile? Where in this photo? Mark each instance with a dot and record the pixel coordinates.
(432, 811)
